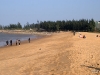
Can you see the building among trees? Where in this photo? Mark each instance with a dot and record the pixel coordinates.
(97, 25)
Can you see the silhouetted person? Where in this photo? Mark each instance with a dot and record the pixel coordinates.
(19, 42)
(10, 42)
(29, 40)
(96, 35)
(74, 33)
(84, 36)
(7, 42)
(16, 42)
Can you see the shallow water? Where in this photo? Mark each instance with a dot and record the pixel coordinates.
(7, 36)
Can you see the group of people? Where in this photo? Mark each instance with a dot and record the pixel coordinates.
(7, 42)
(82, 36)
(18, 42)
(97, 36)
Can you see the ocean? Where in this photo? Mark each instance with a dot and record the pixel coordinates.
(7, 36)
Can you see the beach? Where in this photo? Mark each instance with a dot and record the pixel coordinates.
(56, 54)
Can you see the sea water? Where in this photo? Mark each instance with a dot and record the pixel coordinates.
(7, 36)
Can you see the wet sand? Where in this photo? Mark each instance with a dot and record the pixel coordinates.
(56, 54)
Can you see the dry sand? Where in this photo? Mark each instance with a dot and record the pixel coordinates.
(57, 54)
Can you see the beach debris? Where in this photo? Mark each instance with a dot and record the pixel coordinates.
(97, 64)
(95, 71)
(40, 49)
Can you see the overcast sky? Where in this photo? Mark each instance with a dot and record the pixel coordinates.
(23, 11)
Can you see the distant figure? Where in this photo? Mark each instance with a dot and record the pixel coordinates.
(84, 36)
(80, 36)
(29, 40)
(96, 35)
(19, 42)
(10, 42)
(16, 42)
(74, 33)
(7, 42)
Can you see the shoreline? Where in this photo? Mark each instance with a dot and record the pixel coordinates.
(58, 54)
(22, 43)
(38, 34)
(27, 57)
(25, 32)
(25, 41)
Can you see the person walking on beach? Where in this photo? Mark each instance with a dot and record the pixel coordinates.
(7, 42)
(10, 42)
(16, 42)
(29, 40)
(74, 33)
(19, 42)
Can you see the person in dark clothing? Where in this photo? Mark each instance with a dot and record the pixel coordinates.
(19, 42)
(96, 35)
(74, 33)
(10, 42)
(7, 42)
(84, 36)
(29, 40)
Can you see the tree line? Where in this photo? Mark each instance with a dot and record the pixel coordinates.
(11, 26)
(52, 26)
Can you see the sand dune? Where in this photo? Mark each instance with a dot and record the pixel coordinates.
(56, 54)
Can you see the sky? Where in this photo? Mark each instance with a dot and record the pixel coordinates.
(23, 11)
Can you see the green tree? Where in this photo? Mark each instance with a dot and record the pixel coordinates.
(19, 26)
(91, 26)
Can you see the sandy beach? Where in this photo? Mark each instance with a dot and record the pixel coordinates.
(55, 54)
